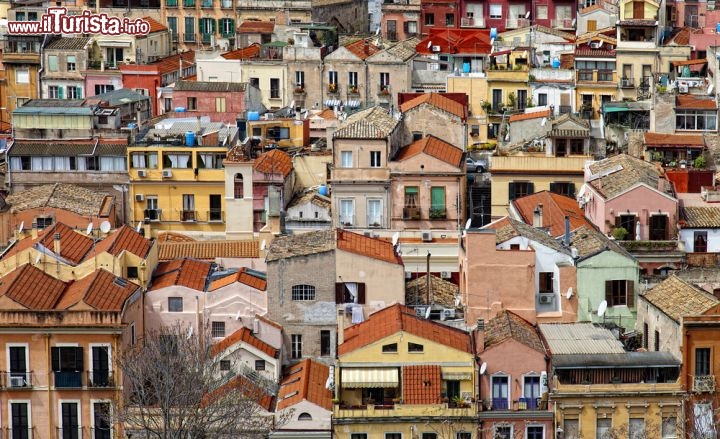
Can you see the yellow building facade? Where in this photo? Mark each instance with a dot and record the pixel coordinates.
(476, 89)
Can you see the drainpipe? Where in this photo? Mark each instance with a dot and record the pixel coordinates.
(427, 276)
(48, 353)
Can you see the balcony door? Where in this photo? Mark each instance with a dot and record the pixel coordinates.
(215, 207)
(18, 366)
(101, 420)
(67, 364)
(500, 387)
(70, 427)
(19, 420)
(100, 376)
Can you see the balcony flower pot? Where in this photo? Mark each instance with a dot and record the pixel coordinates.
(353, 90)
(332, 88)
(299, 90)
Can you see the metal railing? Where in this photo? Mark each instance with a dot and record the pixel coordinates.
(68, 379)
(100, 378)
(500, 404)
(188, 215)
(411, 213)
(437, 213)
(627, 83)
(17, 380)
(216, 215)
(528, 404)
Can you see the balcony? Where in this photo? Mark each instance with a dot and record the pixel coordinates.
(627, 83)
(68, 380)
(99, 379)
(375, 221)
(562, 23)
(384, 410)
(528, 403)
(333, 89)
(515, 23)
(188, 215)
(436, 214)
(17, 380)
(353, 92)
(472, 22)
(216, 216)
(299, 92)
(153, 214)
(411, 213)
(71, 432)
(499, 403)
(704, 383)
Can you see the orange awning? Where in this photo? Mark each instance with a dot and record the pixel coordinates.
(689, 62)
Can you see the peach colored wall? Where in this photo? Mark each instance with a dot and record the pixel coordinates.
(510, 358)
(384, 281)
(642, 202)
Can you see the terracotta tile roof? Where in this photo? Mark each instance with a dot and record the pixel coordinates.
(373, 123)
(588, 241)
(528, 116)
(551, 31)
(73, 245)
(155, 26)
(244, 335)
(65, 196)
(433, 147)
(245, 276)
(189, 273)
(508, 228)
(249, 52)
(366, 246)
(68, 43)
(172, 63)
(594, 53)
(555, 208)
(302, 244)
(396, 318)
(274, 162)
(255, 393)
(695, 102)
(678, 298)
(421, 384)
(362, 48)
(210, 86)
(443, 291)
(256, 27)
(436, 100)
(619, 173)
(701, 217)
(101, 290)
(311, 196)
(508, 325)
(682, 37)
(657, 139)
(208, 250)
(32, 288)
(124, 239)
(305, 381)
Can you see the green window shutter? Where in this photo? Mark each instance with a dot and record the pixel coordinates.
(214, 25)
(53, 63)
(437, 196)
(79, 92)
(61, 91)
(511, 191)
(232, 27)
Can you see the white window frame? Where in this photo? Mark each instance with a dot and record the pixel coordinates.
(531, 375)
(90, 355)
(343, 163)
(504, 425)
(60, 402)
(493, 14)
(27, 355)
(353, 79)
(509, 386)
(527, 427)
(377, 217)
(342, 215)
(299, 78)
(333, 77)
(373, 155)
(23, 74)
(19, 401)
(92, 415)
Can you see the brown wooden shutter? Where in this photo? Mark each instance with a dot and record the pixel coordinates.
(608, 292)
(361, 293)
(630, 288)
(339, 292)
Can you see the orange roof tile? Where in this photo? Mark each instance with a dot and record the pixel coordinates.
(433, 147)
(305, 381)
(268, 321)
(155, 26)
(421, 384)
(362, 48)
(244, 276)
(208, 250)
(247, 388)
(101, 290)
(244, 335)
(251, 51)
(528, 116)
(256, 27)
(436, 100)
(274, 162)
(396, 318)
(657, 139)
(367, 246)
(695, 102)
(172, 63)
(185, 272)
(124, 239)
(32, 288)
(555, 208)
(73, 245)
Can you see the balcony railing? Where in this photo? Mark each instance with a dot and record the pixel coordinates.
(499, 404)
(472, 22)
(100, 378)
(188, 215)
(627, 83)
(514, 23)
(153, 214)
(411, 213)
(704, 383)
(216, 215)
(17, 380)
(528, 404)
(68, 379)
(438, 213)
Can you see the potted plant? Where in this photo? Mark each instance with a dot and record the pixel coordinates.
(486, 106)
(619, 233)
(354, 89)
(460, 402)
(384, 91)
(699, 162)
(332, 88)
(299, 89)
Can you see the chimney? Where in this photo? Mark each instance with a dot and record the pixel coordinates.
(56, 243)
(480, 335)
(567, 230)
(538, 216)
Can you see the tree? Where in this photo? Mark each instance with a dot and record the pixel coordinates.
(174, 388)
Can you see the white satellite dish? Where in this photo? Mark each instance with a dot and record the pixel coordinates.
(38, 258)
(292, 104)
(602, 308)
(105, 226)
(190, 332)
(238, 316)
(483, 368)
(569, 293)
(457, 301)
(543, 121)
(527, 15)
(22, 226)
(377, 32)
(427, 313)
(395, 238)
(429, 44)
(88, 230)
(139, 227)
(468, 223)
(262, 245)
(574, 21)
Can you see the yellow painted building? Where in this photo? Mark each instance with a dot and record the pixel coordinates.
(507, 92)
(285, 133)
(401, 374)
(476, 89)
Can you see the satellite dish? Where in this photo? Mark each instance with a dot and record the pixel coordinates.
(457, 301)
(429, 44)
(467, 223)
(139, 227)
(602, 308)
(238, 316)
(22, 226)
(377, 32)
(543, 121)
(38, 258)
(105, 226)
(262, 245)
(574, 21)
(292, 104)
(483, 368)
(427, 313)
(395, 238)
(569, 293)
(89, 229)
(190, 332)
(527, 15)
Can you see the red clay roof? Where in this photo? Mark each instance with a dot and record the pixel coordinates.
(243, 276)
(101, 290)
(433, 147)
(124, 239)
(247, 388)
(456, 41)
(362, 48)
(268, 321)
(251, 51)
(183, 272)
(73, 245)
(172, 63)
(528, 116)
(421, 384)
(695, 102)
(396, 318)
(305, 381)
(436, 100)
(554, 209)
(367, 246)
(657, 139)
(244, 335)
(155, 26)
(32, 288)
(256, 27)
(274, 162)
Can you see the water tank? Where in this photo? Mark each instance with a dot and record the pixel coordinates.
(253, 115)
(556, 63)
(189, 138)
(132, 125)
(323, 190)
(179, 109)
(717, 28)
(493, 32)
(466, 67)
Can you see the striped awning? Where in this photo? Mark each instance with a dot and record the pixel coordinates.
(457, 376)
(353, 378)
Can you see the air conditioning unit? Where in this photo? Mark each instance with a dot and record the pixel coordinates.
(435, 48)
(139, 197)
(445, 274)
(546, 298)
(408, 275)
(167, 173)
(447, 314)
(17, 381)
(367, 234)
(427, 236)
(142, 173)
(683, 88)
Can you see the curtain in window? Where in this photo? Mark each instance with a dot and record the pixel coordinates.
(16, 163)
(112, 164)
(62, 163)
(81, 164)
(138, 161)
(352, 288)
(411, 197)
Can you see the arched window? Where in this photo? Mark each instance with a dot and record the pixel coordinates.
(239, 188)
(303, 292)
(305, 417)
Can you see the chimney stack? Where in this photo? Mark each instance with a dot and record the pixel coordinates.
(567, 230)
(538, 216)
(57, 244)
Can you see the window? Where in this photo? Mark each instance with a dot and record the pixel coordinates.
(531, 391)
(274, 88)
(18, 366)
(353, 79)
(70, 421)
(374, 213)
(303, 292)
(144, 160)
(74, 92)
(669, 427)
(500, 389)
(463, 435)
(175, 304)
(133, 334)
(495, 11)
(546, 282)
(218, 329)
(227, 27)
(521, 102)
(100, 364)
(700, 242)
(151, 205)
(391, 348)
(220, 104)
(702, 361)
(211, 160)
(53, 63)
(347, 212)
(658, 227)
(172, 23)
(437, 202)
(541, 12)
(414, 347)
(358, 436)
(375, 161)
(67, 365)
(189, 26)
(192, 103)
(429, 436)
(296, 346)
(324, 342)
(43, 222)
(393, 435)
(519, 189)
(346, 159)
(703, 423)
(238, 187)
(627, 222)
(177, 160)
(333, 77)
(449, 20)
(384, 80)
(571, 428)
(636, 428)
(619, 292)
(22, 76)
(305, 417)
(646, 335)
(602, 428)
(657, 341)
(542, 99)
(103, 88)
(225, 365)
(429, 19)
(503, 432)
(410, 28)
(19, 420)
(71, 66)
(299, 79)
(260, 365)
(697, 120)
(535, 432)
(101, 421)
(53, 92)
(255, 82)
(563, 188)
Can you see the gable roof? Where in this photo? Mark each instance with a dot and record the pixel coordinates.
(249, 52)
(124, 239)
(65, 196)
(678, 298)
(661, 139)
(373, 123)
(246, 276)
(403, 50)
(362, 48)
(436, 100)
(155, 26)
(367, 246)
(508, 228)
(305, 381)
(100, 290)
(208, 250)
(274, 161)
(443, 291)
(244, 335)
(701, 217)
(32, 288)
(397, 318)
(171, 63)
(301, 244)
(555, 208)
(529, 116)
(510, 326)
(588, 242)
(456, 41)
(433, 147)
(73, 245)
(189, 273)
(619, 173)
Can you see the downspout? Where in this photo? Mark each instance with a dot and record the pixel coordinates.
(48, 352)
(42, 66)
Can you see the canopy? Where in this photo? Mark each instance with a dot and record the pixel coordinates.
(366, 377)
